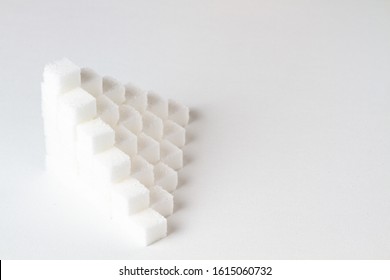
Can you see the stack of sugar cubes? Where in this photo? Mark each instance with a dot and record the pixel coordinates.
(115, 139)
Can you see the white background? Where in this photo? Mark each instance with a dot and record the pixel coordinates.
(288, 154)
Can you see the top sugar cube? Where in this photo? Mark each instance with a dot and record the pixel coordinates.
(62, 75)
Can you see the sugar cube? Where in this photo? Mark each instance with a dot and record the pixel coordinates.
(148, 148)
(62, 75)
(112, 165)
(76, 106)
(148, 226)
(174, 133)
(94, 136)
(128, 197)
(130, 118)
(91, 82)
(142, 170)
(136, 97)
(108, 110)
(161, 201)
(126, 140)
(178, 113)
(114, 90)
(171, 155)
(153, 126)
(157, 105)
(165, 177)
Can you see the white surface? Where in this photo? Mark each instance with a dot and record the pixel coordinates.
(288, 154)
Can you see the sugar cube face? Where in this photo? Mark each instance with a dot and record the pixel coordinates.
(76, 106)
(126, 140)
(148, 226)
(107, 110)
(112, 165)
(148, 148)
(142, 170)
(95, 136)
(62, 75)
(91, 82)
(153, 126)
(130, 118)
(171, 155)
(136, 97)
(161, 201)
(157, 105)
(128, 197)
(165, 177)
(49, 103)
(117, 140)
(114, 90)
(178, 113)
(174, 133)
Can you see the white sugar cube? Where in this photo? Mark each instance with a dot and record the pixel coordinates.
(161, 201)
(165, 177)
(157, 105)
(91, 82)
(114, 90)
(136, 97)
(76, 106)
(94, 136)
(52, 145)
(142, 170)
(112, 165)
(49, 102)
(126, 140)
(49, 115)
(148, 148)
(171, 155)
(128, 197)
(108, 110)
(153, 126)
(148, 226)
(130, 118)
(178, 113)
(62, 75)
(174, 133)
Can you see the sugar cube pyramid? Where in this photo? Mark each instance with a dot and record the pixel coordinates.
(115, 139)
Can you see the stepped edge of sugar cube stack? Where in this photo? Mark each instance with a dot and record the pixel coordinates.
(117, 140)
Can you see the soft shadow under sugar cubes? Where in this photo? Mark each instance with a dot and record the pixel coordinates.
(116, 140)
